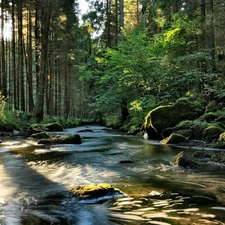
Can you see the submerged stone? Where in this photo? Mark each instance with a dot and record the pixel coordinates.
(126, 161)
(95, 192)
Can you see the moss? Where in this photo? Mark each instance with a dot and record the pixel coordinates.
(93, 191)
(211, 133)
(40, 135)
(212, 106)
(191, 129)
(134, 130)
(202, 155)
(175, 139)
(214, 117)
(218, 158)
(222, 137)
(209, 117)
(53, 126)
(71, 139)
(164, 117)
(183, 160)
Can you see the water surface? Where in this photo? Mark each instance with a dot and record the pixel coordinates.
(34, 181)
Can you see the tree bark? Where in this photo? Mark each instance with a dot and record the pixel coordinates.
(45, 22)
(3, 80)
(30, 64)
(20, 53)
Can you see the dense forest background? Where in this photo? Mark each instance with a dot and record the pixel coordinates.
(125, 57)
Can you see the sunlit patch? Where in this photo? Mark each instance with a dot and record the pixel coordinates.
(127, 217)
(156, 215)
(202, 221)
(161, 203)
(146, 209)
(137, 213)
(125, 199)
(208, 216)
(191, 210)
(154, 193)
(169, 210)
(42, 151)
(159, 223)
(219, 208)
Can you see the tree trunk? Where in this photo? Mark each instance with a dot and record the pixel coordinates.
(37, 42)
(20, 53)
(212, 37)
(121, 18)
(30, 64)
(3, 80)
(108, 23)
(45, 22)
(14, 71)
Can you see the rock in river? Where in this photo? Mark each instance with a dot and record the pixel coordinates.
(94, 193)
(183, 160)
(175, 139)
(71, 139)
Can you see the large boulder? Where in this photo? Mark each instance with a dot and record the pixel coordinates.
(40, 135)
(183, 160)
(167, 116)
(218, 158)
(95, 192)
(212, 133)
(53, 126)
(71, 139)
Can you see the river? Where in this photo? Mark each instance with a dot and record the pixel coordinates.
(34, 181)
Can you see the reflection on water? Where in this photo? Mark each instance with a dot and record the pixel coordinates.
(34, 181)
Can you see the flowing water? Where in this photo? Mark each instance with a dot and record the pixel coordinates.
(34, 181)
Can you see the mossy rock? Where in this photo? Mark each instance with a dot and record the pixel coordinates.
(192, 129)
(167, 116)
(209, 117)
(96, 192)
(53, 126)
(71, 139)
(40, 135)
(218, 158)
(183, 160)
(202, 155)
(217, 144)
(222, 137)
(175, 139)
(214, 117)
(8, 126)
(212, 133)
(212, 106)
(134, 130)
(35, 128)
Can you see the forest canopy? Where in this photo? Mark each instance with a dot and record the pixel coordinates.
(124, 59)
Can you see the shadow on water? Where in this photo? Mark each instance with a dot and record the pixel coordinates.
(30, 198)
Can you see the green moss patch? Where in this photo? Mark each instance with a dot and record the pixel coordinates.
(95, 191)
(212, 133)
(71, 139)
(167, 116)
(183, 160)
(175, 139)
